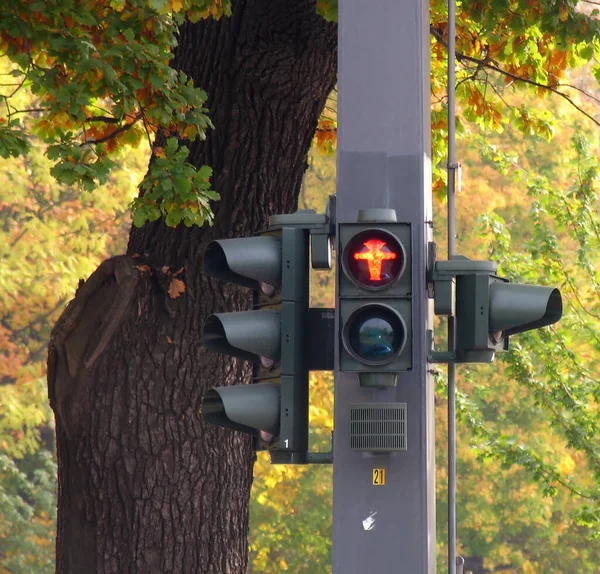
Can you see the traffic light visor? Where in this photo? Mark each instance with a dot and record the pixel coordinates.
(518, 308)
(245, 408)
(250, 335)
(374, 259)
(253, 262)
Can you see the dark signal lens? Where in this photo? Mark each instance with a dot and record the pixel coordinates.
(375, 334)
(374, 258)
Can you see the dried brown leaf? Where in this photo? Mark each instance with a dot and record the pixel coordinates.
(176, 288)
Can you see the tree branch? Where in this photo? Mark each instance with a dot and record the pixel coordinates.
(586, 94)
(105, 119)
(27, 111)
(114, 133)
(492, 65)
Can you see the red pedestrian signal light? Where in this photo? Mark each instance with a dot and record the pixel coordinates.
(374, 259)
(377, 252)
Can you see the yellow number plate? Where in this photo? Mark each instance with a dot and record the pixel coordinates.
(378, 476)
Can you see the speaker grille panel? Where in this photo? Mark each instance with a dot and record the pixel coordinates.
(378, 427)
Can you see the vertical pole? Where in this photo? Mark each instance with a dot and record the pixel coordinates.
(452, 169)
(384, 160)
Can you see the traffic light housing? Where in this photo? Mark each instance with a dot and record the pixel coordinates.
(374, 297)
(274, 409)
(488, 309)
(281, 336)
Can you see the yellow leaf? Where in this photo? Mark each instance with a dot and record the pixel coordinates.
(563, 13)
(567, 465)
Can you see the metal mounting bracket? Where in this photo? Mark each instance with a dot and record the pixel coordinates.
(437, 356)
(441, 287)
(321, 227)
(441, 277)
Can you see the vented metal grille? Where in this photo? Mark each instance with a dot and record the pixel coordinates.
(378, 427)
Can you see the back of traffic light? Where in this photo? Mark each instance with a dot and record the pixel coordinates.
(273, 335)
(488, 309)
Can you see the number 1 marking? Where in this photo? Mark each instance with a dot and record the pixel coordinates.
(287, 442)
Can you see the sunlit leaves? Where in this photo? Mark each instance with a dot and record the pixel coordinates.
(558, 367)
(328, 9)
(326, 135)
(174, 189)
(506, 45)
(12, 139)
(102, 80)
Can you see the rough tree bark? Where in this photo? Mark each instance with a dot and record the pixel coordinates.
(144, 485)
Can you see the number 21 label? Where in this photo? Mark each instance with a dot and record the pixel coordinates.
(378, 476)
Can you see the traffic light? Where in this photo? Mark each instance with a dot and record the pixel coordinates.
(274, 409)
(374, 297)
(488, 309)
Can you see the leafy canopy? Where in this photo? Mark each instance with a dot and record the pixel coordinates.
(101, 78)
(503, 47)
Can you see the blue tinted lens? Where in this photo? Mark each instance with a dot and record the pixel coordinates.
(376, 334)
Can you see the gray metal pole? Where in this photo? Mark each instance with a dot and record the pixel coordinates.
(452, 170)
(384, 161)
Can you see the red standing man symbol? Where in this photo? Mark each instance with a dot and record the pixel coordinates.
(375, 256)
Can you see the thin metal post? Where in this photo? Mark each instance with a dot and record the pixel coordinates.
(452, 170)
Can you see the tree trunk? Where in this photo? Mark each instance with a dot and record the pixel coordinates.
(144, 485)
